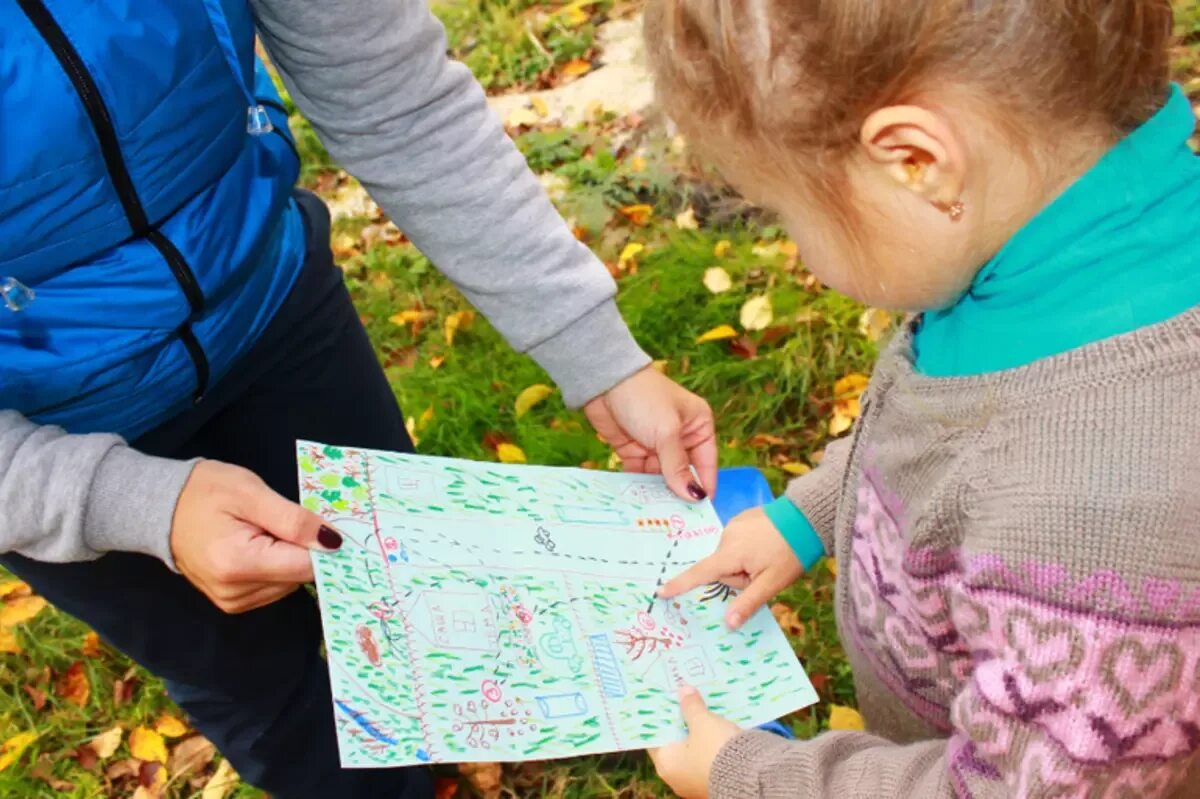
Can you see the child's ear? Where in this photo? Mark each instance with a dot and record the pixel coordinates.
(917, 149)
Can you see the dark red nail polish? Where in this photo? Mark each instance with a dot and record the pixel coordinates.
(696, 491)
(329, 538)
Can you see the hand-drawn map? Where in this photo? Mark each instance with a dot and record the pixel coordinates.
(487, 612)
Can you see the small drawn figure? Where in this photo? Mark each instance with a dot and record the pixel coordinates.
(483, 728)
(542, 538)
(560, 644)
(638, 642)
(490, 690)
(366, 642)
(717, 591)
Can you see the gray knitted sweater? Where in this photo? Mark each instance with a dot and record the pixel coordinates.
(1019, 582)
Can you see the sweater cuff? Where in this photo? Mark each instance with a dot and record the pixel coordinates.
(795, 528)
(131, 503)
(741, 761)
(591, 355)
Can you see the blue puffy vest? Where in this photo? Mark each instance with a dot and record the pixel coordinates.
(147, 236)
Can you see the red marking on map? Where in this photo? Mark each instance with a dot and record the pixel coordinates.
(366, 642)
(490, 690)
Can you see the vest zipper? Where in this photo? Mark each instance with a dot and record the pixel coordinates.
(110, 148)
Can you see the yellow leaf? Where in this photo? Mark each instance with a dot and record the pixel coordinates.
(614, 460)
(840, 423)
(9, 643)
(436, 361)
(531, 396)
(721, 248)
(14, 747)
(15, 588)
(459, 320)
(20, 610)
(526, 117)
(844, 718)
(832, 564)
(687, 219)
(170, 727)
(73, 685)
(510, 453)
(660, 367)
(851, 386)
(410, 424)
(757, 313)
(789, 248)
(718, 333)
(637, 164)
(796, 469)
(539, 106)
(717, 280)
(763, 250)
(637, 214)
(426, 418)
(91, 645)
(106, 743)
(576, 67)
(874, 323)
(573, 15)
(146, 744)
(410, 316)
(223, 780)
(628, 254)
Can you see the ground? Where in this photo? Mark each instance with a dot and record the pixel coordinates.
(711, 288)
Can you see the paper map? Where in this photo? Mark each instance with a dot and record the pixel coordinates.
(487, 612)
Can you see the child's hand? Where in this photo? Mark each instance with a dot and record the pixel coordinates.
(686, 766)
(752, 557)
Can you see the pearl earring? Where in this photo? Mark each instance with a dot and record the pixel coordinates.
(956, 210)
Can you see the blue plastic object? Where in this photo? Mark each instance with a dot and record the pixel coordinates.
(740, 488)
(779, 728)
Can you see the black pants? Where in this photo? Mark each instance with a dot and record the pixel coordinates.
(255, 684)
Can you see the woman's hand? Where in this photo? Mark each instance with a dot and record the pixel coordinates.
(240, 543)
(752, 557)
(686, 766)
(656, 425)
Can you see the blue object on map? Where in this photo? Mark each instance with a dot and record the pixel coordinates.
(779, 728)
(740, 488)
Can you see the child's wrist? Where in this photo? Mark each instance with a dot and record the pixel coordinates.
(793, 525)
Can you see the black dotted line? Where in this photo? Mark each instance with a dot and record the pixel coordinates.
(662, 573)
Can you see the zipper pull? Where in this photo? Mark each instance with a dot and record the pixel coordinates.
(16, 295)
(257, 121)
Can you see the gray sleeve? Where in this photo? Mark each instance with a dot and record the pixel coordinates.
(373, 78)
(74, 497)
(818, 493)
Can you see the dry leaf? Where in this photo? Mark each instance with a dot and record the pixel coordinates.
(445, 788)
(44, 771)
(795, 468)
(687, 219)
(788, 248)
(721, 248)
(170, 727)
(766, 440)
(459, 320)
(744, 347)
(788, 620)
(756, 313)
(637, 164)
(717, 280)
(20, 610)
(874, 323)
(844, 718)
(851, 386)
(764, 250)
(36, 695)
(637, 214)
(576, 67)
(425, 418)
(73, 685)
(9, 643)
(222, 782)
(146, 744)
(191, 756)
(14, 589)
(844, 414)
(626, 258)
(510, 453)
(105, 744)
(539, 107)
(484, 777)
(436, 361)
(530, 397)
(91, 645)
(718, 333)
(831, 563)
(143, 792)
(123, 769)
(521, 117)
(659, 366)
(14, 747)
(152, 777)
(412, 316)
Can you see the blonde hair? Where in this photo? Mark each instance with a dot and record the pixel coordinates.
(797, 78)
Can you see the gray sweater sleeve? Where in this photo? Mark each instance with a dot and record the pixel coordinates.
(818, 493)
(74, 497)
(414, 127)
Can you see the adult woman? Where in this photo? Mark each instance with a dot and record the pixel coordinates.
(164, 284)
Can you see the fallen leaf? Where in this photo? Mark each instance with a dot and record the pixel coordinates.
(851, 386)
(510, 453)
(20, 610)
(459, 320)
(36, 695)
(845, 718)
(91, 645)
(765, 250)
(717, 280)
(425, 418)
(9, 643)
(223, 780)
(12, 749)
(85, 756)
(143, 792)
(831, 564)
(530, 397)
(191, 755)
(844, 414)
(73, 685)
(152, 776)
(105, 744)
(766, 440)
(744, 347)
(436, 361)
(789, 249)
(659, 366)
(43, 770)
(874, 323)
(123, 769)
(521, 117)
(757, 313)
(637, 214)
(445, 788)
(484, 777)
(492, 440)
(718, 333)
(412, 316)
(637, 164)
(788, 620)
(630, 251)
(687, 219)
(344, 245)
(123, 691)
(146, 744)
(539, 107)
(576, 67)
(795, 468)
(170, 727)
(721, 248)
(14, 589)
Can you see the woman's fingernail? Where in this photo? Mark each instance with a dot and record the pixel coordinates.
(696, 491)
(329, 538)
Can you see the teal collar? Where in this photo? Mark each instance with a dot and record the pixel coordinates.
(1118, 250)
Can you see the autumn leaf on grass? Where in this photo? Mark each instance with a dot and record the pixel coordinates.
(637, 214)
(484, 777)
(105, 744)
(20, 610)
(459, 320)
(14, 589)
(12, 749)
(91, 645)
(170, 727)
(9, 643)
(795, 468)
(874, 323)
(575, 68)
(413, 316)
(73, 685)
(521, 117)
(530, 397)
(846, 406)
(718, 333)
(152, 778)
(510, 453)
(36, 695)
(539, 106)
(845, 718)
(687, 219)
(721, 248)
(191, 756)
(625, 260)
(831, 564)
(224, 780)
(788, 620)
(717, 280)
(757, 313)
(146, 744)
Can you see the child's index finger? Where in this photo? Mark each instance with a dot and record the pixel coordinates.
(701, 573)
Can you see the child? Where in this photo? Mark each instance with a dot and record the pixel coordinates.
(1016, 516)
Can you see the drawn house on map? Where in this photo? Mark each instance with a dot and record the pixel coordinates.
(457, 620)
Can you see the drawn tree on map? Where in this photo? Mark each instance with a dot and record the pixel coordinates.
(484, 722)
(646, 637)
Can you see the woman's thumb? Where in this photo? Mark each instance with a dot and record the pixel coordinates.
(289, 522)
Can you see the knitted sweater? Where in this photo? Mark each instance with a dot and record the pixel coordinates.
(1019, 592)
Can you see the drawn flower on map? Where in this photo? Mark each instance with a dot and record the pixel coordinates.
(484, 722)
